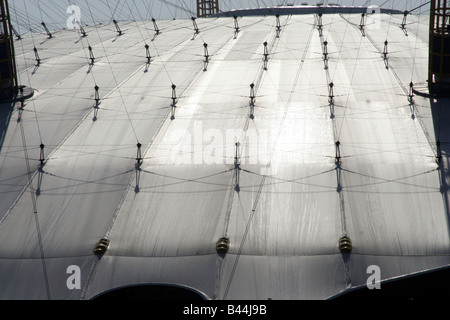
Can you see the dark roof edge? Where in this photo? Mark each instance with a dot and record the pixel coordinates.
(296, 10)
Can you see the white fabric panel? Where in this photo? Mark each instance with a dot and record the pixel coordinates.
(293, 200)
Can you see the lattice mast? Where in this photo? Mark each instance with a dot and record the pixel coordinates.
(207, 7)
(439, 55)
(8, 71)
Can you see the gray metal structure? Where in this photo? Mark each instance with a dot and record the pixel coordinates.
(164, 154)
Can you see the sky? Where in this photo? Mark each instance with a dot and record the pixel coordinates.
(27, 15)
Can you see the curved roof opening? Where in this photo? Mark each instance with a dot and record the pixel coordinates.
(151, 292)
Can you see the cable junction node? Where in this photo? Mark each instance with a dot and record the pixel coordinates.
(119, 31)
(49, 34)
(36, 55)
(155, 26)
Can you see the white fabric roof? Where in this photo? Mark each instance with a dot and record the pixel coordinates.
(163, 218)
